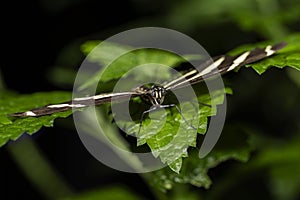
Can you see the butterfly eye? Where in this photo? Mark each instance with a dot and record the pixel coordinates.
(153, 94)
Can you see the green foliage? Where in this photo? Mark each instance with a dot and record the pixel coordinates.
(294, 76)
(169, 135)
(281, 161)
(266, 17)
(233, 144)
(12, 128)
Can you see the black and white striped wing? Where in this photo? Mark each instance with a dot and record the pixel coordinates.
(76, 103)
(222, 65)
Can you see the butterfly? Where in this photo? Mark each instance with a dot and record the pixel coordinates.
(156, 93)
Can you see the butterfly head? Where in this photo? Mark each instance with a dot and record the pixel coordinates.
(157, 94)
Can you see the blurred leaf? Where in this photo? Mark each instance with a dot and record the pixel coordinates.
(294, 76)
(285, 181)
(281, 159)
(13, 128)
(61, 76)
(107, 193)
(184, 192)
(121, 59)
(103, 52)
(266, 17)
(44, 177)
(63, 73)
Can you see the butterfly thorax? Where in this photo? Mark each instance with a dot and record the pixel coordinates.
(154, 94)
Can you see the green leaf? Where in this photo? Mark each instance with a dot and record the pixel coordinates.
(168, 135)
(288, 56)
(107, 193)
(233, 144)
(12, 128)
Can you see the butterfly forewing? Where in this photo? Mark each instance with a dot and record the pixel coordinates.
(223, 64)
(76, 103)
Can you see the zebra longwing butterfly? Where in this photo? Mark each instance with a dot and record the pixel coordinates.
(156, 93)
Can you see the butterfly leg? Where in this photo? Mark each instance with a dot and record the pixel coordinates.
(153, 108)
(163, 106)
(179, 111)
